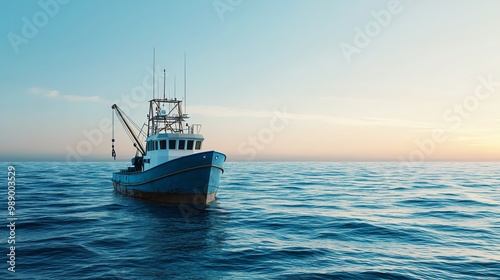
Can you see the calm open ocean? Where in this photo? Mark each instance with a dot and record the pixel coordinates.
(271, 221)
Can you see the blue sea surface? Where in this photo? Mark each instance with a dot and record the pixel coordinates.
(270, 221)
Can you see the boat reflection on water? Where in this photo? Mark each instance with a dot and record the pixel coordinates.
(169, 238)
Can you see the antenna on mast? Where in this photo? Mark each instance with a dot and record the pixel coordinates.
(185, 99)
(175, 98)
(164, 77)
(154, 73)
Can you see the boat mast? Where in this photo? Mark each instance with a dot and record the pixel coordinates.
(150, 123)
(171, 121)
(185, 99)
(154, 73)
(164, 78)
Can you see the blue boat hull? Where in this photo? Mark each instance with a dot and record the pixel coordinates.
(192, 179)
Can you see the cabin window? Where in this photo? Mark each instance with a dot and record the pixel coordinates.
(182, 143)
(171, 144)
(156, 145)
(190, 144)
(163, 144)
(149, 146)
(198, 145)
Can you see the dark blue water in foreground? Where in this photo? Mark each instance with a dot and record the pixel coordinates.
(271, 221)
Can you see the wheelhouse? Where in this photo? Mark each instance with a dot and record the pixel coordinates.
(163, 147)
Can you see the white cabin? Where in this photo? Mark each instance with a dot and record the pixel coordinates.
(163, 147)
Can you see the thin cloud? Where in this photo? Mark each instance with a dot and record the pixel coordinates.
(43, 92)
(230, 112)
(55, 94)
(403, 123)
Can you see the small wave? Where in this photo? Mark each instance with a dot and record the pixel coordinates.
(327, 221)
(441, 202)
(368, 275)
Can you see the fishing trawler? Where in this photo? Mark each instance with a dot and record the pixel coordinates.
(169, 165)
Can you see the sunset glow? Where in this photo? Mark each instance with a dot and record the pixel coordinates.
(268, 80)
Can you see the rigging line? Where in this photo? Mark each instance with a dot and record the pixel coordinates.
(113, 125)
(129, 130)
(134, 124)
(129, 134)
(113, 152)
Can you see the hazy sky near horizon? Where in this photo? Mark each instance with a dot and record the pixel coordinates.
(269, 80)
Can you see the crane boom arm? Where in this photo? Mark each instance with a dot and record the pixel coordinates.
(137, 143)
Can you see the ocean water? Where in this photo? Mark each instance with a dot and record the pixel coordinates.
(270, 221)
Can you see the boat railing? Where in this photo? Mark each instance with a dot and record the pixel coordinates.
(194, 129)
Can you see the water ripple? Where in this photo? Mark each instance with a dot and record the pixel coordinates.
(271, 221)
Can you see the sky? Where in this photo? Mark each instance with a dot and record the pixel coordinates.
(283, 80)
